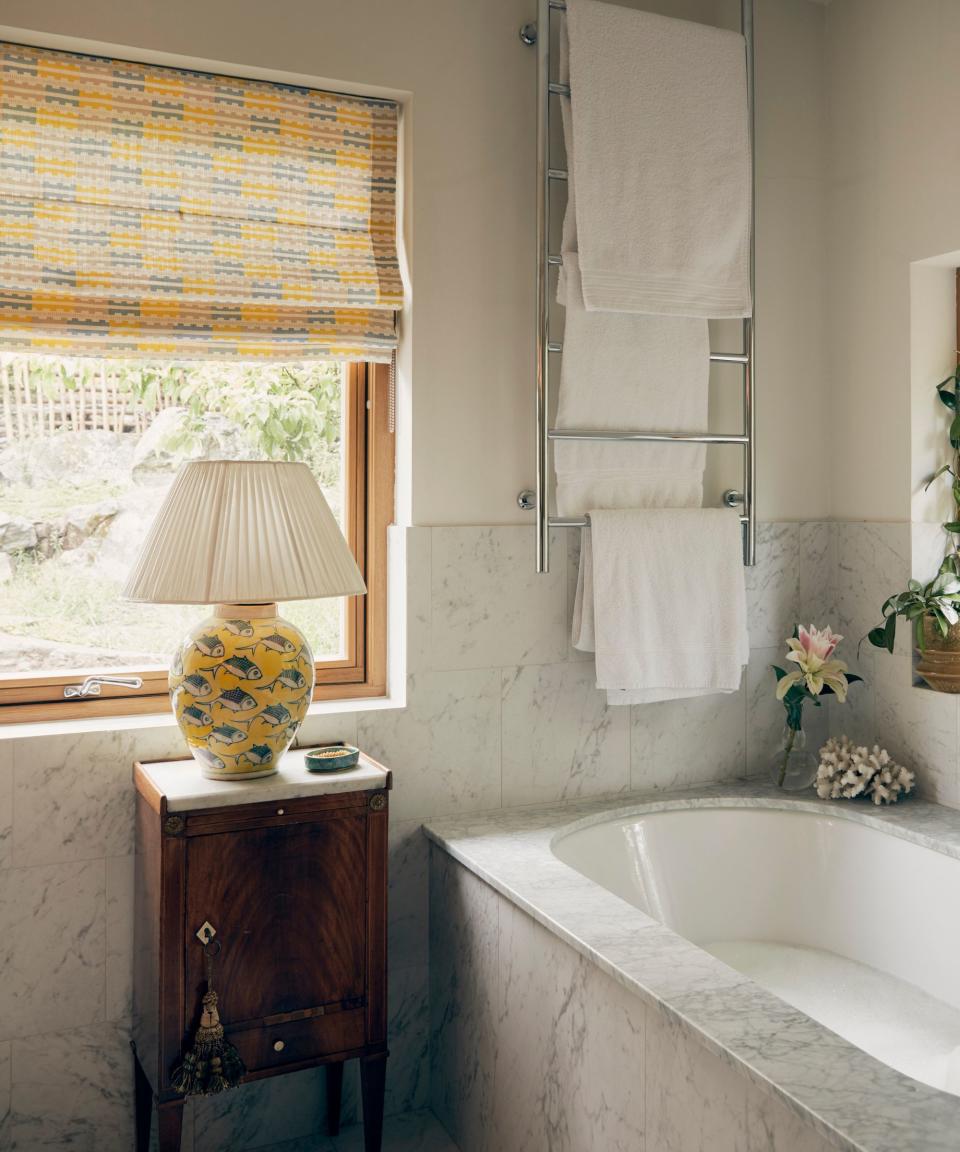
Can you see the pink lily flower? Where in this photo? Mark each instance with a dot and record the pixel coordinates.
(811, 650)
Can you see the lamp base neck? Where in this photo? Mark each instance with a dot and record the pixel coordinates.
(245, 611)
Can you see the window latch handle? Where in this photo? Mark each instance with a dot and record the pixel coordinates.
(91, 686)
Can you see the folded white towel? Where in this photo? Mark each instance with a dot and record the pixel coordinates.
(661, 599)
(659, 165)
(623, 372)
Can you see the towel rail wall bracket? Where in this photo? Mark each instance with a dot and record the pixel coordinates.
(537, 500)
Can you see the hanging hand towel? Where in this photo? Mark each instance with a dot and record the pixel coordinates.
(661, 599)
(623, 372)
(659, 165)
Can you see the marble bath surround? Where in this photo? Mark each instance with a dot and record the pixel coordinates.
(773, 1078)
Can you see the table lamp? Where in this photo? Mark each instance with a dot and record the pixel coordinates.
(241, 535)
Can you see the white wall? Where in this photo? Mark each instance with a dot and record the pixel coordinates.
(468, 83)
(893, 95)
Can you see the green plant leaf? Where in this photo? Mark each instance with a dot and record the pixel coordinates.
(890, 633)
(949, 398)
(939, 472)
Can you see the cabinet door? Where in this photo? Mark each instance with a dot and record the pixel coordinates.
(289, 907)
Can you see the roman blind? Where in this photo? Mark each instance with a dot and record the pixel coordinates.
(158, 212)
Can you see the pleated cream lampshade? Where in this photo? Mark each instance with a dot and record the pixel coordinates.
(241, 535)
(243, 532)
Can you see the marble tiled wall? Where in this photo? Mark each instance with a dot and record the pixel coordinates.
(534, 1047)
(501, 711)
(920, 728)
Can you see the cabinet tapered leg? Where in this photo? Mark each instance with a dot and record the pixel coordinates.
(373, 1081)
(334, 1094)
(143, 1105)
(170, 1125)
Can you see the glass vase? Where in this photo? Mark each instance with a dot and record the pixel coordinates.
(793, 768)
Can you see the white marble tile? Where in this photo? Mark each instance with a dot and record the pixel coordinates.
(444, 747)
(694, 1102)
(52, 947)
(464, 917)
(873, 562)
(414, 1132)
(6, 1071)
(119, 975)
(771, 1127)
(559, 739)
(73, 797)
(569, 1069)
(418, 549)
(766, 715)
(489, 606)
(856, 718)
(928, 546)
(265, 1112)
(409, 894)
(816, 573)
(408, 1037)
(327, 728)
(676, 743)
(73, 1090)
(918, 727)
(773, 584)
(6, 802)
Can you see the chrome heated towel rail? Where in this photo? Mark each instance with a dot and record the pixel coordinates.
(538, 35)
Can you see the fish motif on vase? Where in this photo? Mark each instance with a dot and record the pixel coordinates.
(273, 643)
(289, 678)
(238, 666)
(275, 715)
(228, 734)
(239, 628)
(240, 689)
(236, 700)
(197, 686)
(195, 715)
(210, 646)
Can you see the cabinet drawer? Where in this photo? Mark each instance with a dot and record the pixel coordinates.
(272, 1046)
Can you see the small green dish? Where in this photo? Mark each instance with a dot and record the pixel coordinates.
(332, 758)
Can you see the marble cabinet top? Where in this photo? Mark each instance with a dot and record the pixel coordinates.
(185, 788)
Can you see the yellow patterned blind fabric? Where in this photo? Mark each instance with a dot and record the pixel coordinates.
(149, 211)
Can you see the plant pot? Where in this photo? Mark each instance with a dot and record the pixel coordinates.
(939, 665)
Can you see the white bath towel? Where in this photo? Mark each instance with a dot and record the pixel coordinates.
(659, 164)
(661, 600)
(623, 372)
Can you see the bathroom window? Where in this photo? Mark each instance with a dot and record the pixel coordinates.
(193, 264)
(88, 449)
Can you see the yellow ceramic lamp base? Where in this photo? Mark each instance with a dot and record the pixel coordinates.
(241, 684)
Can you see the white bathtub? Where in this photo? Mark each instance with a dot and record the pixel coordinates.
(858, 928)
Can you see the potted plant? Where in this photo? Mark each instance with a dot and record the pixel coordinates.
(932, 608)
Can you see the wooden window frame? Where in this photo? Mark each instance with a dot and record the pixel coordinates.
(362, 671)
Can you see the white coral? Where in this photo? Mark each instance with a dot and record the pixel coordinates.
(848, 770)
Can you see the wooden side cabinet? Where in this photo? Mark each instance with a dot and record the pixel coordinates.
(291, 873)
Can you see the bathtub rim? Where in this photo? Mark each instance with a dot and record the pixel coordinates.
(854, 1101)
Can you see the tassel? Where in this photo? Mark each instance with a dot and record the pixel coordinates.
(212, 1065)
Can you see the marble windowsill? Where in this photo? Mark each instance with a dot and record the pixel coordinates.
(854, 1101)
